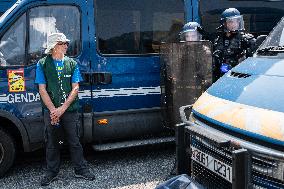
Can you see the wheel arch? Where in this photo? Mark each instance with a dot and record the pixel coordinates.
(15, 128)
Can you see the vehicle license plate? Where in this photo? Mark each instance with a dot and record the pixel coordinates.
(211, 163)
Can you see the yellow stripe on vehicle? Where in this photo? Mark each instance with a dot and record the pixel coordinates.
(257, 120)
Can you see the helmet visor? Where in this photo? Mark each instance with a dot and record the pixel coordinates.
(234, 23)
(191, 36)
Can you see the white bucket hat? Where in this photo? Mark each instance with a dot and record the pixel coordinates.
(53, 39)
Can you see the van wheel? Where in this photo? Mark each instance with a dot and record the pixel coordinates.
(7, 152)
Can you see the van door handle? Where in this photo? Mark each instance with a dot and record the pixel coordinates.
(96, 78)
(101, 78)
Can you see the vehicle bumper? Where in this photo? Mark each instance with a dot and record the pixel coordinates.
(267, 165)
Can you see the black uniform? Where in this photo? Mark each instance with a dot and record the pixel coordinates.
(232, 50)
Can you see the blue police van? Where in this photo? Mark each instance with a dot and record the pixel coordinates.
(236, 129)
(116, 44)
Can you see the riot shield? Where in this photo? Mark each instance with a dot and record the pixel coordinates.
(186, 72)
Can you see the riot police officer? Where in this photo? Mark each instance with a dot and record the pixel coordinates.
(232, 44)
(191, 31)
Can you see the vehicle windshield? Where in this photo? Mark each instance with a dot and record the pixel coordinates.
(275, 40)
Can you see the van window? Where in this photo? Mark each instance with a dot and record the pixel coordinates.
(45, 20)
(12, 44)
(137, 27)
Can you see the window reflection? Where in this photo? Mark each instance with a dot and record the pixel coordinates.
(127, 27)
(12, 44)
(51, 19)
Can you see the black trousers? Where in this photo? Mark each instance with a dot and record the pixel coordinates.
(69, 126)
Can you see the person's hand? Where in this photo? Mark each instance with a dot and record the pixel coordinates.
(57, 113)
(54, 121)
(53, 117)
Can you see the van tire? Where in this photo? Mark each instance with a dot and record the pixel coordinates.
(7, 152)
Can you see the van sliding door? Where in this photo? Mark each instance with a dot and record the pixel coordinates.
(127, 36)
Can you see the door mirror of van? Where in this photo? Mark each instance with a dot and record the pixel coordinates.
(101, 78)
(259, 40)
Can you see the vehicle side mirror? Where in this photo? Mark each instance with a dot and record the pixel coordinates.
(259, 40)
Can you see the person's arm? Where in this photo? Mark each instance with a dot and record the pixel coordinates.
(76, 78)
(48, 103)
(249, 44)
(40, 80)
(73, 94)
(218, 49)
(45, 97)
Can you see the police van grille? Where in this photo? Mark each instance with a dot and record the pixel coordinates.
(205, 176)
(239, 75)
(263, 173)
(208, 179)
(268, 169)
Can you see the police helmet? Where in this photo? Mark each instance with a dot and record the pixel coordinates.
(232, 20)
(191, 32)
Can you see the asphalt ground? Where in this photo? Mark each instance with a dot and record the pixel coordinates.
(134, 168)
